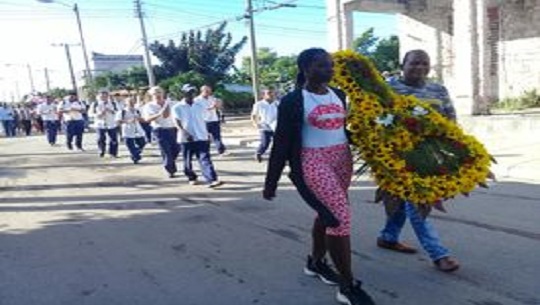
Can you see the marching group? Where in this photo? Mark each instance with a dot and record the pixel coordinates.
(183, 127)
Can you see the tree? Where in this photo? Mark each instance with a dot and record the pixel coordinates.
(211, 55)
(59, 92)
(131, 78)
(366, 42)
(383, 52)
(273, 69)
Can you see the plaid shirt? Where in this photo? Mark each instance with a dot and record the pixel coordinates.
(434, 94)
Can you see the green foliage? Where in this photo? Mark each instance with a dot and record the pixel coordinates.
(211, 55)
(529, 99)
(273, 69)
(366, 42)
(383, 52)
(174, 84)
(131, 78)
(59, 92)
(235, 101)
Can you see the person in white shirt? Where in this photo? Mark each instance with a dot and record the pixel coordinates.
(264, 117)
(25, 119)
(73, 110)
(130, 118)
(48, 112)
(193, 136)
(146, 126)
(213, 123)
(158, 113)
(104, 111)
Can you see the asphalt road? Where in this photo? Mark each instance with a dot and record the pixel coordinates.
(76, 229)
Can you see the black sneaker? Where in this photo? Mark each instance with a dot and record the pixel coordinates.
(353, 295)
(321, 270)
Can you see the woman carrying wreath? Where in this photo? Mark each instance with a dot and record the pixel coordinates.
(310, 137)
(416, 67)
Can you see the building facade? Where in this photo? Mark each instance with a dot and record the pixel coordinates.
(482, 50)
(114, 63)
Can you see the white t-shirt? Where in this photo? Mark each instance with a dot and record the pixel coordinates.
(107, 120)
(267, 114)
(74, 110)
(192, 119)
(132, 128)
(48, 112)
(210, 102)
(154, 108)
(324, 120)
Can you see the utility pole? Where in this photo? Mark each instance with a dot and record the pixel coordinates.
(88, 73)
(70, 63)
(148, 60)
(31, 77)
(47, 79)
(253, 42)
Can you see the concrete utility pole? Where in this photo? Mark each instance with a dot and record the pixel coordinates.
(47, 79)
(31, 78)
(88, 73)
(148, 60)
(70, 63)
(253, 43)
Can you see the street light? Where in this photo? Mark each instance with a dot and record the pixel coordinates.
(75, 8)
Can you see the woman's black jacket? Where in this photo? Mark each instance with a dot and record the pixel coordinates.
(287, 147)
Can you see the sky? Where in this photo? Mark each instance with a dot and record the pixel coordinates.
(29, 28)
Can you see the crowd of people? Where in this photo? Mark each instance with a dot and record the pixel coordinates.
(187, 126)
(308, 127)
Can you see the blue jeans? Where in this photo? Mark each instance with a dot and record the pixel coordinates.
(51, 128)
(102, 134)
(166, 140)
(266, 139)
(426, 234)
(147, 131)
(135, 147)
(74, 129)
(214, 129)
(9, 128)
(201, 150)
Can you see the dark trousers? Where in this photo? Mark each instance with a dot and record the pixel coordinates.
(40, 124)
(74, 129)
(51, 127)
(214, 129)
(112, 134)
(166, 139)
(27, 126)
(9, 128)
(135, 147)
(201, 150)
(147, 131)
(266, 139)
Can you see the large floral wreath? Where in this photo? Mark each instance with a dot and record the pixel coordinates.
(413, 152)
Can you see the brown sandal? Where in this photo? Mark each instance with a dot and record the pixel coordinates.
(396, 246)
(447, 264)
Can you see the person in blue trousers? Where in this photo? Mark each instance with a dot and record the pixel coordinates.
(193, 136)
(72, 110)
(158, 113)
(104, 111)
(213, 122)
(264, 117)
(416, 66)
(47, 110)
(8, 120)
(132, 132)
